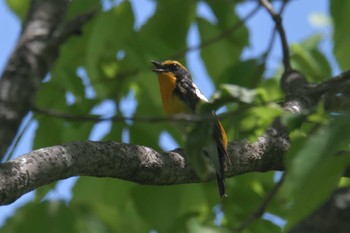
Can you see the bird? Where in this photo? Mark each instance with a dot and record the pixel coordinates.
(180, 95)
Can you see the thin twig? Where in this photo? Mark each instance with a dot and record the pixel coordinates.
(147, 119)
(202, 45)
(221, 36)
(339, 82)
(261, 209)
(278, 22)
(8, 155)
(268, 50)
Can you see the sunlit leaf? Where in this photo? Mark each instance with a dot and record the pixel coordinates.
(254, 120)
(293, 121)
(105, 40)
(19, 7)
(311, 62)
(240, 93)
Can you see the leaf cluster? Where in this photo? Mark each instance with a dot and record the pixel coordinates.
(106, 71)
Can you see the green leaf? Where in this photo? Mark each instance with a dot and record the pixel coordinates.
(195, 226)
(238, 93)
(19, 7)
(42, 217)
(53, 130)
(116, 131)
(244, 73)
(197, 199)
(252, 122)
(48, 133)
(197, 139)
(344, 182)
(311, 62)
(64, 76)
(293, 120)
(157, 205)
(166, 31)
(312, 42)
(170, 208)
(245, 194)
(339, 11)
(264, 226)
(110, 191)
(41, 192)
(271, 90)
(78, 7)
(105, 40)
(222, 54)
(314, 169)
(109, 204)
(51, 95)
(74, 131)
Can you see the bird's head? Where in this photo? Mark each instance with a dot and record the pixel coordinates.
(171, 68)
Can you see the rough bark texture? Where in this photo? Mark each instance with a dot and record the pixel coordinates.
(128, 162)
(42, 35)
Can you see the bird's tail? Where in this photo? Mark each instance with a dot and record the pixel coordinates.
(221, 184)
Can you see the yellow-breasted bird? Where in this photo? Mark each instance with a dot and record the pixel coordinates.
(180, 95)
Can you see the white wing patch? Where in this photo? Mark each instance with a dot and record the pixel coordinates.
(199, 93)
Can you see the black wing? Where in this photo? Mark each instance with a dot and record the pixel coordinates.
(187, 92)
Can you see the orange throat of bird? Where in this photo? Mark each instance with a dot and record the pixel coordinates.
(171, 103)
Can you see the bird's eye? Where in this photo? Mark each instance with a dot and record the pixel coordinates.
(174, 66)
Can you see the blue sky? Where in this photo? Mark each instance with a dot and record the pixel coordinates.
(301, 19)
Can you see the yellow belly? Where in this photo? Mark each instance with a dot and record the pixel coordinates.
(171, 103)
(173, 106)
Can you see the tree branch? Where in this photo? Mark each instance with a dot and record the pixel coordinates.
(300, 96)
(268, 50)
(37, 49)
(262, 207)
(144, 165)
(100, 118)
(278, 22)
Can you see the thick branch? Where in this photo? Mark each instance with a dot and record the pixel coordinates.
(145, 165)
(128, 162)
(37, 49)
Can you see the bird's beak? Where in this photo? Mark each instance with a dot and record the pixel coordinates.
(158, 67)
